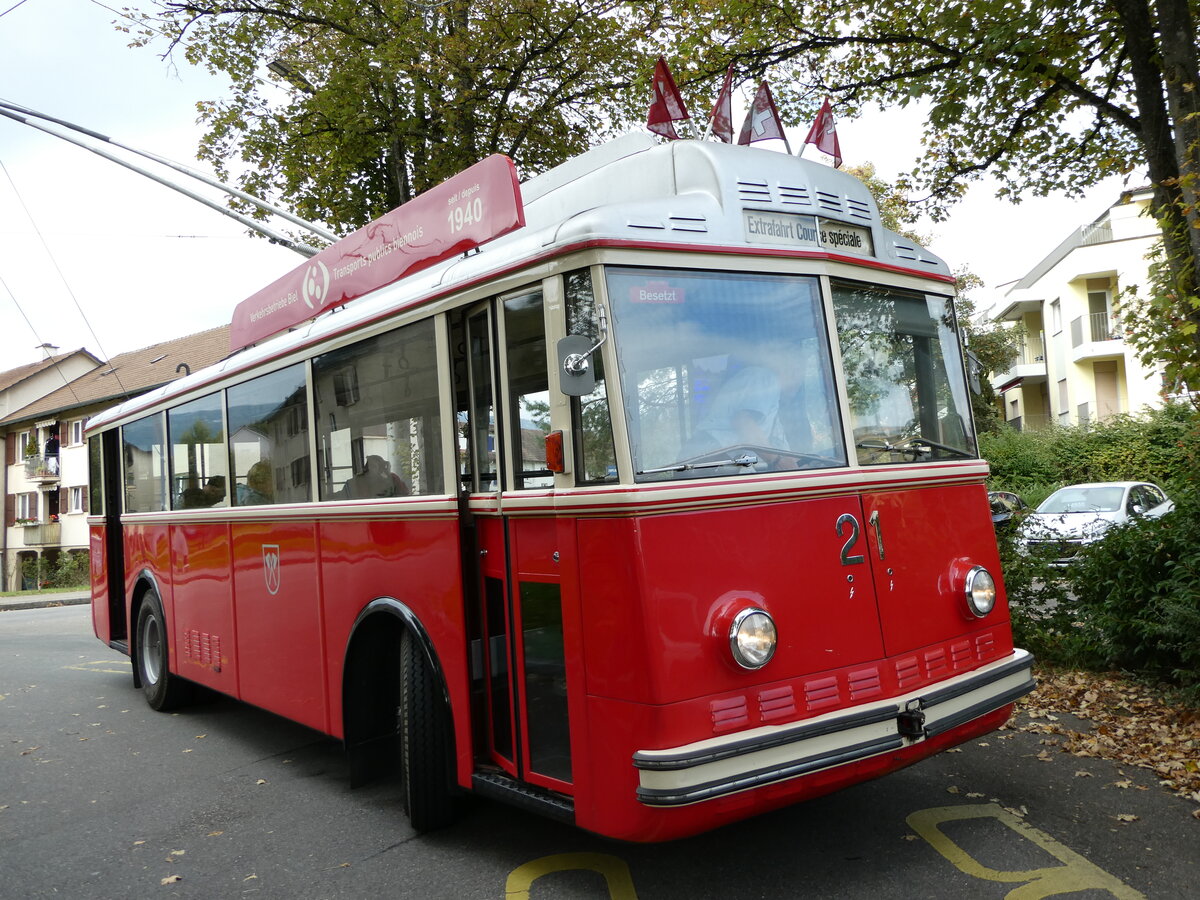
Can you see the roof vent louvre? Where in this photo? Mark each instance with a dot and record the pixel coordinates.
(859, 209)
(689, 223)
(828, 201)
(754, 192)
(794, 196)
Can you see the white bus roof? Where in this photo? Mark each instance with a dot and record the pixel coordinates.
(632, 190)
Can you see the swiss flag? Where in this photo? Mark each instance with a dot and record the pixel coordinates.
(666, 105)
(721, 118)
(762, 120)
(823, 134)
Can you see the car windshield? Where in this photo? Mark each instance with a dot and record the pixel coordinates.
(1098, 498)
(724, 373)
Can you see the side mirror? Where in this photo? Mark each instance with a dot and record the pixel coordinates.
(576, 375)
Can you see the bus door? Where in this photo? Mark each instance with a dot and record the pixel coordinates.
(518, 652)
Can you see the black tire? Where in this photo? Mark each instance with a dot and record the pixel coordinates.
(163, 690)
(425, 742)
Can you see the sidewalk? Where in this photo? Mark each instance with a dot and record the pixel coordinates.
(41, 601)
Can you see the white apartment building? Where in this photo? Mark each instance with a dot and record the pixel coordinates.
(1075, 365)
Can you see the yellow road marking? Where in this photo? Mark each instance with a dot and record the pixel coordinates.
(615, 872)
(112, 666)
(1075, 873)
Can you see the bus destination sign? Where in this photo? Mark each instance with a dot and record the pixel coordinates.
(766, 227)
(469, 209)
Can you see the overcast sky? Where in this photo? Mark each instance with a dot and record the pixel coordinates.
(145, 264)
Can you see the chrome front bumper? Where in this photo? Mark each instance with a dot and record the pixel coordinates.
(719, 766)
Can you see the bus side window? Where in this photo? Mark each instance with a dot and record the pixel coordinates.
(96, 498)
(268, 439)
(197, 436)
(594, 448)
(377, 416)
(525, 334)
(144, 448)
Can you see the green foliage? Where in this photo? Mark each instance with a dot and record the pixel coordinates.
(1043, 619)
(365, 105)
(69, 570)
(1153, 447)
(1131, 600)
(1138, 595)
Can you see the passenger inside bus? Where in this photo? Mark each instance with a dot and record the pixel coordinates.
(259, 485)
(214, 490)
(376, 480)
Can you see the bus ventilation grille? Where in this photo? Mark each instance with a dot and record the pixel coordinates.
(782, 195)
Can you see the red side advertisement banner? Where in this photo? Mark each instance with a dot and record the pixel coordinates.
(475, 206)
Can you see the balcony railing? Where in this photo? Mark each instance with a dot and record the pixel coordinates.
(41, 468)
(43, 534)
(1031, 350)
(1095, 327)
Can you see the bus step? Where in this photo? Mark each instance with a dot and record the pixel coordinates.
(508, 790)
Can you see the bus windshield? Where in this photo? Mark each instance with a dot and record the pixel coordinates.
(904, 375)
(724, 373)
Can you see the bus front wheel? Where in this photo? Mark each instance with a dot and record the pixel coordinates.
(163, 690)
(424, 726)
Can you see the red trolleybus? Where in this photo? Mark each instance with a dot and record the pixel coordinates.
(652, 505)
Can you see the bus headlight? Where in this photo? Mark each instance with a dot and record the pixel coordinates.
(980, 591)
(752, 638)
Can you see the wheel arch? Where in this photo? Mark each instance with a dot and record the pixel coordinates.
(370, 686)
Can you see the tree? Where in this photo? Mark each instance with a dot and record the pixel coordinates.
(1043, 96)
(366, 105)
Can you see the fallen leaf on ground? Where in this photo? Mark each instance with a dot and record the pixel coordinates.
(1121, 721)
(172, 879)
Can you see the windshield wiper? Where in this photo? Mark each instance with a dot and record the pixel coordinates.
(917, 446)
(747, 460)
(925, 445)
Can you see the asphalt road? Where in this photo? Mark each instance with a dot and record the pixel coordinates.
(101, 797)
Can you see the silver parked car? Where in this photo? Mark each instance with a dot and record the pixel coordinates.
(1082, 513)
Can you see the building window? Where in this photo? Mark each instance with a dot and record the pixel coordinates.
(77, 432)
(76, 499)
(1055, 316)
(23, 445)
(26, 507)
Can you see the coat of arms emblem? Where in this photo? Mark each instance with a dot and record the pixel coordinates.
(271, 567)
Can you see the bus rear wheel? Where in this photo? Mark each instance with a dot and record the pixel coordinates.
(163, 691)
(424, 725)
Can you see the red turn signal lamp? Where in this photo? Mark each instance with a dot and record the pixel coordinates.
(556, 460)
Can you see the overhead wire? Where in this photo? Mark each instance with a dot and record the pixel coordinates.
(62, 276)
